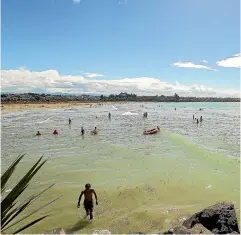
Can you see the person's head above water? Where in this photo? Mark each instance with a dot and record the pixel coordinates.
(95, 128)
(87, 186)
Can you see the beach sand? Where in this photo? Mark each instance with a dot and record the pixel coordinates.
(16, 107)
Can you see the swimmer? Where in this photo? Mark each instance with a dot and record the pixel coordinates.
(55, 132)
(38, 133)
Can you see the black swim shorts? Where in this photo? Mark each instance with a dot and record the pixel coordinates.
(88, 205)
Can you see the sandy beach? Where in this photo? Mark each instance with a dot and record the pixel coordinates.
(16, 107)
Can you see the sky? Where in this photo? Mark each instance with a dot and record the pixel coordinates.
(146, 47)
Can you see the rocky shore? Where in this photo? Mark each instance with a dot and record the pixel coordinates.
(216, 219)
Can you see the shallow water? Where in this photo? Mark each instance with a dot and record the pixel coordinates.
(144, 183)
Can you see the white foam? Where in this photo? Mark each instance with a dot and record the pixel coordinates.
(129, 114)
(101, 232)
(47, 120)
(209, 186)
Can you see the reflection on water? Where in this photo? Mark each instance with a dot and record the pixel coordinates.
(143, 182)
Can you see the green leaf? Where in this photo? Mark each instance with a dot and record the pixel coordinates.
(9, 208)
(5, 221)
(5, 177)
(9, 211)
(18, 211)
(11, 197)
(38, 209)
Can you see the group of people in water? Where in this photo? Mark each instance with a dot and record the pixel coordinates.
(93, 132)
(55, 132)
(201, 118)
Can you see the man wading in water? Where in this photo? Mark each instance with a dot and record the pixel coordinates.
(88, 201)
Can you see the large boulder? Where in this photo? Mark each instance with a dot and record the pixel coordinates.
(181, 230)
(197, 229)
(219, 219)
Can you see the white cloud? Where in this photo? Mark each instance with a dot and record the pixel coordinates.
(204, 61)
(51, 81)
(76, 1)
(191, 65)
(93, 75)
(233, 62)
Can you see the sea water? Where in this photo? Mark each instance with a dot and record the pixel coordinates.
(144, 182)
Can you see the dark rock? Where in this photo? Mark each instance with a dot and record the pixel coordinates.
(219, 219)
(189, 223)
(181, 230)
(199, 228)
(170, 231)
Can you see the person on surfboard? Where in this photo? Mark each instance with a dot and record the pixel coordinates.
(88, 201)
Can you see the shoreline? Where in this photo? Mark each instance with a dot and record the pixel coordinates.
(16, 107)
(8, 107)
(13, 106)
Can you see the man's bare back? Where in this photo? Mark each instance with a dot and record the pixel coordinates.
(88, 194)
(88, 201)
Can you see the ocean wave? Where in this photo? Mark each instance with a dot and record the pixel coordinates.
(129, 114)
(44, 121)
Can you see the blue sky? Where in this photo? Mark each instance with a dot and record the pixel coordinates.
(114, 40)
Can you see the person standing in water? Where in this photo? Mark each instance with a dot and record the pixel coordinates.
(201, 118)
(82, 131)
(38, 133)
(109, 115)
(197, 121)
(88, 200)
(70, 121)
(193, 116)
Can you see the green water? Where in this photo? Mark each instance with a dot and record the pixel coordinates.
(144, 183)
